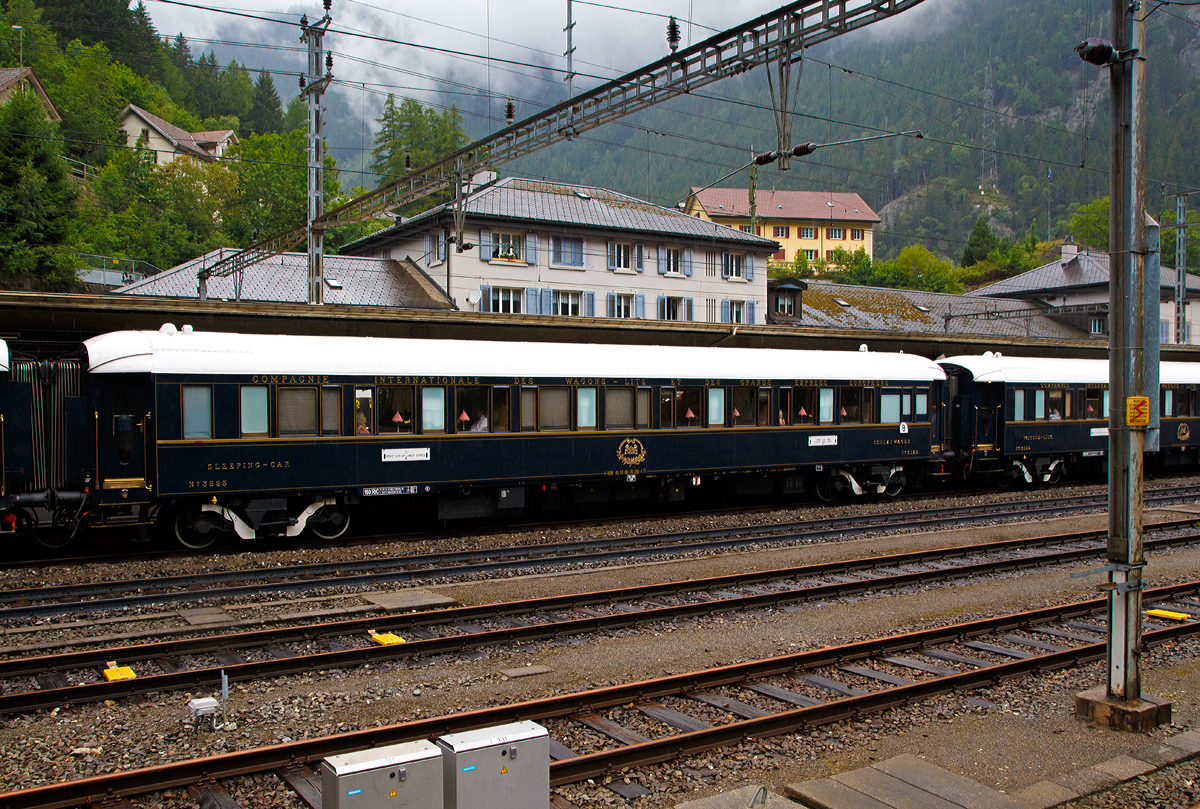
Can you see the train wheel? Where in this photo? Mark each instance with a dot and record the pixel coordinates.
(894, 485)
(197, 529)
(62, 530)
(823, 485)
(330, 522)
(27, 521)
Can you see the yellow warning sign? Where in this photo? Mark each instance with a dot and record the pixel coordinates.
(503, 770)
(393, 794)
(1137, 411)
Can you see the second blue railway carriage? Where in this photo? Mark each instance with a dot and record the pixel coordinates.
(1027, 418)
(267, 435)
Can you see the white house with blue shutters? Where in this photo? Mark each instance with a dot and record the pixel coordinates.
(541, 248)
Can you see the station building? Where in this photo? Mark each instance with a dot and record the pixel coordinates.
(533, 247)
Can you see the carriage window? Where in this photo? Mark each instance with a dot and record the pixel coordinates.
(806, 405)
(1091, 405)
(254, 411)
(868, 406)
(395, 410)
(743, 407)
(906, 405)
(643, 408)
(618, 408)
(889, 406)
(921, 402)
(433, 410)
(825, 406)
(687, 407)
(554, 409)
(1039, 404)
(764, 407)
(331, 410)
(1168, 401)
(364, 410)
(585, 408)
(472, 407)
(1105, 399)
(499, 410)
(785, 406)
(1018, 406)
(528, 409)
(851, 411)
(666, 407)
(197, 411)
(297, 411)
(1055, 399)
(716, 407)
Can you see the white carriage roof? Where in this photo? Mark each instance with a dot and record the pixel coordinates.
(990, 367)
(3, 356)
(168, 351)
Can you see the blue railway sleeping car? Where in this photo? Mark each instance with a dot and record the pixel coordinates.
(267, 434)
(1027, 418)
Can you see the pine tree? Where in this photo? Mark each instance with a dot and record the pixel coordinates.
(37, 196)
(981, 242)
(267, 113)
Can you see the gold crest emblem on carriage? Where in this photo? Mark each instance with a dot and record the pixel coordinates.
(1184, 432)
(631, 452)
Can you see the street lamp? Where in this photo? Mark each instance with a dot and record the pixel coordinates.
(20, 29)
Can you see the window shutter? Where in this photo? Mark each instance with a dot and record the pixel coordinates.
(485, 299)
(828, 233)
(589, 304)
(639, 257)
(531, 301)
(531, 248)
(750, 312)
(725, 310)
(662, 260)
(689, 309)
(612, 304)
(687, 262)
(758, 230)
(548, 302)
(612, 255)
(485, 245)
(662, 307)
(639, 306)
(749, 266)
(724, 266)
(428, 249)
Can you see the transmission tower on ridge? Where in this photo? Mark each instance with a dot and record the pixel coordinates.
(989, 171)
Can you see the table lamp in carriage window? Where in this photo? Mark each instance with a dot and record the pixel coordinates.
(464, 418)
(397, 419)
(689, 415)
(736, 414)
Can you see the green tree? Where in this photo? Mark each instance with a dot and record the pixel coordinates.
(418, 132)
(981, 242)
(37, 196)
(266, 115)
(272, 180)
(1089, 224)
(296, 114)
(800, 266)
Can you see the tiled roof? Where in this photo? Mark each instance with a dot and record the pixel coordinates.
(1084, 269)
(546, 203)
(284, 278)
(11, 75)
(897, 310)
(785, 204)
(192, 142)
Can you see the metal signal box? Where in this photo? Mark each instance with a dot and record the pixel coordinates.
(401, 775)
(503, 767)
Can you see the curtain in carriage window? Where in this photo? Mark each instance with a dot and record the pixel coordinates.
(297, 411)
(554, 411)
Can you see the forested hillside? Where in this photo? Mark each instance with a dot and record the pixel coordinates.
(925, 71)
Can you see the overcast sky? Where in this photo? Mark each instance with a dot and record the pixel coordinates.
(608, 41)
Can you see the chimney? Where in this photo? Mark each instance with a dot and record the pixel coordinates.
(1069, 250)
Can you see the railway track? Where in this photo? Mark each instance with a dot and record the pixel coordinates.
(36, 682)
(650, 721)
(42, 602)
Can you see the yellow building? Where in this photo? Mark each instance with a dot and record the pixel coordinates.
(817, 223)
(21, 79)
(168, 141)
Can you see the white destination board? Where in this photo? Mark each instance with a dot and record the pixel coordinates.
(407, 454)
(822, 440)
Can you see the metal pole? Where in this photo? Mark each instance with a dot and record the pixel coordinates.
(570, 29)
(319, 76)
(1180, 268)
(1126, 344)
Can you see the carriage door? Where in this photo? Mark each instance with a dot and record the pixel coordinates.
(986, 417)
(123, 430)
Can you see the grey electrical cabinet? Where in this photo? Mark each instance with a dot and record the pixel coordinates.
(400, 775)
(504, 767)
